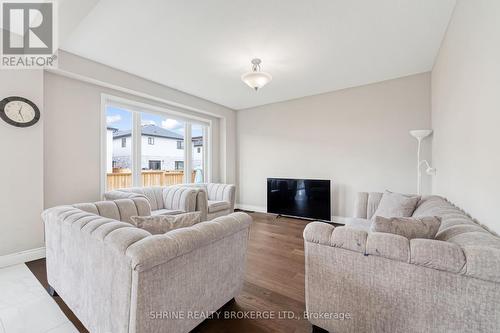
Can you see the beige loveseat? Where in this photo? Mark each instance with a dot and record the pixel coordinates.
(119, 278)
(210, 199)
(164, 200)
(387, 283)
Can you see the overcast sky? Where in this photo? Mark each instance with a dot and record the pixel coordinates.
(122, 120)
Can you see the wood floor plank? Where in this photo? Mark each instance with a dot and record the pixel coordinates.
(274, 282)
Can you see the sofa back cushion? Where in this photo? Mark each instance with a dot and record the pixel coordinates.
(153, 193)
(396, 205)
(120, 210)
(366, 204)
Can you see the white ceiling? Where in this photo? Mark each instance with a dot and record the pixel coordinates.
(309, 46)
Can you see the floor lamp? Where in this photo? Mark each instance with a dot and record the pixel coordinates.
(420, 135)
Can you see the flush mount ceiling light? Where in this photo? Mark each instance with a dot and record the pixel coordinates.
(256, 79)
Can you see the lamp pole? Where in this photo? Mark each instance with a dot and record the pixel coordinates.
(419, 172)
(420, 135)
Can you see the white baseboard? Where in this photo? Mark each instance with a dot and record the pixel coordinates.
(22, 257)
(252, 208)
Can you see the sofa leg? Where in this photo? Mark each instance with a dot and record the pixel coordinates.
(317, 329)
(52, 292)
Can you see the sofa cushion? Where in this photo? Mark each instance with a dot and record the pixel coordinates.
(217, 206)
(435, 254)
(389, 246)
(409, 227)
(349, 238)
(161, 224)
(446, 233)
(396, 205)
(358, 223)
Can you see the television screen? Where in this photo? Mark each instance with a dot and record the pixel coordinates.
(307, 198)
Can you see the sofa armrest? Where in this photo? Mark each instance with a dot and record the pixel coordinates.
(319, 233)
(201, 198)
(158, 249)
(222, 192)
(180, 198)
(202, 203)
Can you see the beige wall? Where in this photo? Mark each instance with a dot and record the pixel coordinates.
(21, 168)
(72, 139)
(466, 111)
(118, 80)
(356, 137)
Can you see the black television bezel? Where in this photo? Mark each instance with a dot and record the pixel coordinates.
(295, 216)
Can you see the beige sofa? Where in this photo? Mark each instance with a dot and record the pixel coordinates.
(211, 199)
(387, 283)
(119, 278)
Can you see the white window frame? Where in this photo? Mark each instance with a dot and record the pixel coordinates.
(136, 108)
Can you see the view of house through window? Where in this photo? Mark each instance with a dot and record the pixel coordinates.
(118, 148)
(167, 133)
(162, 150)
(197, 153)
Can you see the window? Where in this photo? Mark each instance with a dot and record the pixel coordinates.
(168, 133)
(147, 146)
(154, 165)
(118, 153)
(179, 165)
(198, 134)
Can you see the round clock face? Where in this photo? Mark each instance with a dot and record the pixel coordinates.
(19, 111)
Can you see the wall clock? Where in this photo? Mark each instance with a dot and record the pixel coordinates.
(19, 111)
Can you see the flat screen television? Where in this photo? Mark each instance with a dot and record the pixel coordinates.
(306, 198)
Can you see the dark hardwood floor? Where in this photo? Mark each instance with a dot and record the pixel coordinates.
(274, 283)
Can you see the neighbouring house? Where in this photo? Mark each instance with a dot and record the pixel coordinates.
(109, 148)
(161, 149)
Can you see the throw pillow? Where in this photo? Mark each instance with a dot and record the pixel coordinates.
(161, 224)
(409, 227)
(396, 205)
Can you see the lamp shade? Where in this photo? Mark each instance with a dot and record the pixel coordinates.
(256, 80)
(421, 134)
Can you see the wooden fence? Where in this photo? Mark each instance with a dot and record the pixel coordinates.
(149, 178)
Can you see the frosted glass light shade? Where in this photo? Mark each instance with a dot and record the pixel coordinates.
(256, 80)
(421, 134)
